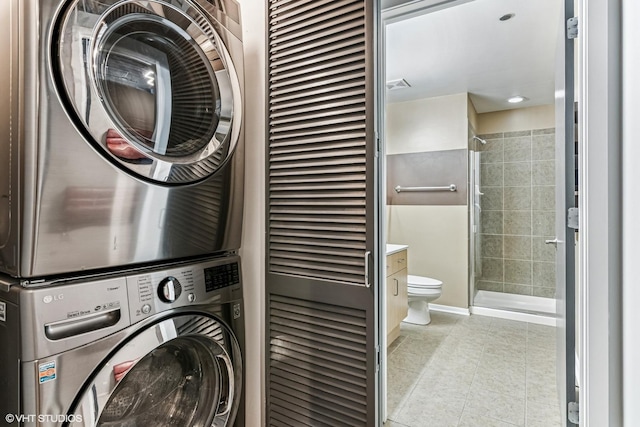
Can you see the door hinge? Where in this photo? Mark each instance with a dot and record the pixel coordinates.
(572, 28)
(378, 144)
(573, 412)
(573, 218)
(377, 358)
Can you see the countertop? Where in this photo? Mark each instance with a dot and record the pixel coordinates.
(392, 249)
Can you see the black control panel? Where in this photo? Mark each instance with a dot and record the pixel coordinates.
(221, 276)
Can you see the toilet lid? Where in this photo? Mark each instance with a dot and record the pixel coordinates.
(422, 282)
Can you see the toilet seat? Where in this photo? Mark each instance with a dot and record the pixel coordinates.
(423, 282)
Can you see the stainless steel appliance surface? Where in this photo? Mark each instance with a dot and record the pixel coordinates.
(121, 133)
(160, 347)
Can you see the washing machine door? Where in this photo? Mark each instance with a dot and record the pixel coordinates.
(182, 371)
(150, 84)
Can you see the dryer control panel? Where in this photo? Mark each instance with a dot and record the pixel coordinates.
(153, 292)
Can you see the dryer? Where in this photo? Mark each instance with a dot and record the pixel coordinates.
(121, 133)
(157, 347)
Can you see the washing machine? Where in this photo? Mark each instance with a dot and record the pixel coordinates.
(121, 133)
(159, 347)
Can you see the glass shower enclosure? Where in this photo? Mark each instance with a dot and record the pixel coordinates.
(511, 215)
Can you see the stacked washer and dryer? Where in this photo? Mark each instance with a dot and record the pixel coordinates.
(121, 194)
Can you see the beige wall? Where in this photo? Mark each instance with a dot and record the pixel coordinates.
(253, 253)
(430, 124)
(436, 235)
(540, 117)
(437, 238)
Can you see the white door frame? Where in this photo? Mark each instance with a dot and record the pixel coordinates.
(630, 223)
(599, 308)
(600, 250)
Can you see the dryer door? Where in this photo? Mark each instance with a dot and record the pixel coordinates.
(150, 84)
(182, 371)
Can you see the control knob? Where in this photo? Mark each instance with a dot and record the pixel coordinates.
(169, 289)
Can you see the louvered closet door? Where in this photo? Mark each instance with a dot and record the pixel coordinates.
(321, 343)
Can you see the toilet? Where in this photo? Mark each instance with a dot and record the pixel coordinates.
(421, 290)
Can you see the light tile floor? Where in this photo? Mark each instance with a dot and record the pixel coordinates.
(473, 371)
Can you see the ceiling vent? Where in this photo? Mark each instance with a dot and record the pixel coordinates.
(397, 84)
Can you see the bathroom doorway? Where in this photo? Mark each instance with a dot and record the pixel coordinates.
(472, 115)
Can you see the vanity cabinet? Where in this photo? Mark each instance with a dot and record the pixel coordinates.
(396, 293)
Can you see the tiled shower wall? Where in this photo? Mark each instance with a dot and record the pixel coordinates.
(517, 177)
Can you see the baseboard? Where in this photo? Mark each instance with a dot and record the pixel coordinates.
(449, 309)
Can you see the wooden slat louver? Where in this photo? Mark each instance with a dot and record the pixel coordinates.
(321, 156)
(318, 356)
(317, 139)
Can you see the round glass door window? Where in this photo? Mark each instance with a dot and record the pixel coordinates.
(182, 371)
(177, 384)
(153, 85)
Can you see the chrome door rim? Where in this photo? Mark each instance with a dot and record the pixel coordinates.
(117, 407)
(187, 21)
(195, 325)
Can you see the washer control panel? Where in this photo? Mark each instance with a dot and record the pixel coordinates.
(157, 291)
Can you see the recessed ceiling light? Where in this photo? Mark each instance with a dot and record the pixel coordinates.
(516, 99)
(507, 16)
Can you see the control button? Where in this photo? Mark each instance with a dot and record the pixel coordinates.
(191, 297)
(146, 309)
(169, 289)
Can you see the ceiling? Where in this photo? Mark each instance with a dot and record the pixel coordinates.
(466, 48)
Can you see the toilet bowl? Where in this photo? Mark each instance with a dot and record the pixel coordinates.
(421, 290)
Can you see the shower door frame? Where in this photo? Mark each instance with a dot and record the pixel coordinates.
(474, 219)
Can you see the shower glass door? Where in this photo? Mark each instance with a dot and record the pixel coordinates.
(512, 210)
(475, 219)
